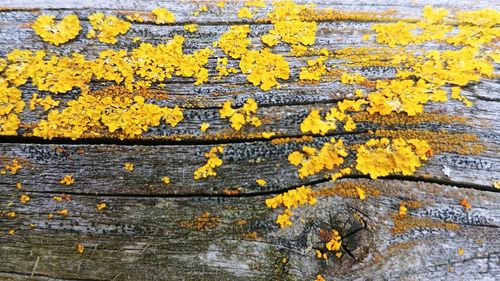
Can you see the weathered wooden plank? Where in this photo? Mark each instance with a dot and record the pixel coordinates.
(158, 241)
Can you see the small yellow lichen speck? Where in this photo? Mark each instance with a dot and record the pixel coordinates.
(128, 166)
(213, 161)
(204, 127)
(319, 278)
(11, 231)
(460, 251)
(11, 214)
(402, 210)
(107, 27)
(165, 180)
(241, 116)
(67, 180)
(163, 16)
(57, 32)
(261, 182)
(19, 185)
(24, 198)
(80, 248)
(101, 206)
(63, 212)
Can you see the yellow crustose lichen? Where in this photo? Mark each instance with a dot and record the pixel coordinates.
(107, 27)
(288, 25)
(312, 161)
(264, 68)
(213, 161)
(94, 115)
(379, 158)
(291, 199)
(163, 16)
(240, 117)
(54, 32)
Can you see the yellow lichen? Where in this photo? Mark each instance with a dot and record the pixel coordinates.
(91, 114)
(312, 161)
(314, 69)
(165, 180)
(101, 206)
(261, 182)
(213, 161)
(128, 166)
(383, 157)
(107, 27)
(24, 198)
(204, 127)
(163, 16)
(191, 27)
(245, 13)
(235, 42)
(291, 199)
(54, 32)
(67, 180)
(240, 117)
(264, 68)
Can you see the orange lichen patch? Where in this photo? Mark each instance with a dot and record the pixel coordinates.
(241, 222)
(12, 168)
(24, 199)
(413, 204)
(107, 27)
(384, 157)
(240, 117)
(11, 214)
(249, 235)
(128, 166)
(19, 185)
(231, 191)
(366, 56)
(163, 16)
(80, 248)
(11, 232)
(402, 118)
(264, 68)
(91, 114)
(234, 42)
(67, 180)
(57, 32)
(101, 206)
(312, 161)
(346, 189)
(288, 26)
(405, 223)
(202, 223)
(439, 141)
(334, 242)
(464, 203)
(291, 199)
(396, 247)
(213, 161)
(293, 139)
(314, 69)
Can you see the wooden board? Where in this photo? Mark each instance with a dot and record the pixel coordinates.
(220, 228)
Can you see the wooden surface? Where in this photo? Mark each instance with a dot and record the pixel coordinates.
(220, 228)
